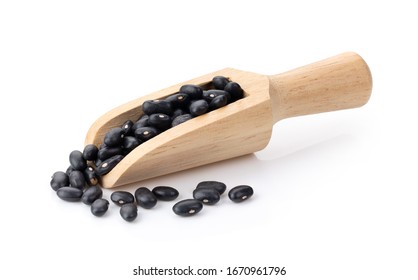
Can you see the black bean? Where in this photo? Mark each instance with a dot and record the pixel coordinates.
(126, 127)
(114, 137)
(69, 194)
(99, 207)
(150, 107)
(240, 193)
(218, 102)
(218, 186)
(145, 198)
(77, 160)
(181, 119)
(178, 112)
(165, 193)
(130, 143)
(141, 122)
(160, 121)
(122, 197)
(219, 82)
(90, 152)
(209, 95)
(91, 194)
(145, 133)
(58, 180)
(179, 100)
(90, 176)
(195, 92)
(129, 212)
(235, 90)
(108, 164)
(69, 170)
(208, 196)
(106, 152)
(77, 179)
(198, 107)
(187, 207)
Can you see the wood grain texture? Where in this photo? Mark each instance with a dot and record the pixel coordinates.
(241, 127)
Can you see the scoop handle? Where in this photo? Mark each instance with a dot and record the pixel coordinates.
(340, 82)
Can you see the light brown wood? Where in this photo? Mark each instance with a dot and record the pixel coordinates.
(242, 127)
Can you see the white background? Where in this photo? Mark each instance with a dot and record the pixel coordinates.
(335, 194)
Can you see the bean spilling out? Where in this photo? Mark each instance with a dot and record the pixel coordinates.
(80, 182)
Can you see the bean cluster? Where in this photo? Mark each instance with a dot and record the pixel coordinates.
(88, 166)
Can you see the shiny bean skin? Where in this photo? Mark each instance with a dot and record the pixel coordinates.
(165, 193)
(126, 127)
(114, 137)
(106, 152)
(146, 133)
(90, 152)
(91, 194)
(58, 180)
(218, 186)
(181, 119)
(179, 100)
(77, 179)
(195, 92)
(69, 194)
(160, 121)
(142, 122)
(235, 90)
(219, 82)
(122, 197)
(209, 196)
(150, 107)
(77, 160)
(198, 107)
(240, 193)
(130, 143)
(218, 102)
(99, 207)
(129, 212)
(90, 176)
(187, 207)
(145, 198)
(209, 95)
(107, 165)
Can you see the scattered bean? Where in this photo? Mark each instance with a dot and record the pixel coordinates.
(207, 196)
(218, 186)
(99, 207)
(69, 194)
(58, 180)
(77, 160)
(187, 207)
(165, 193)
(91, 194)
(69, 170)
(129, 212)
(122, 197)
(240, 193)
(145, 198)
(77, 179)
(90, 176)
(90, 152)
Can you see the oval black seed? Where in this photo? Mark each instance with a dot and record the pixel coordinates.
(181, 119)
(178, 112)
(218, 102)
(145, 198)
(187, 207)
(141, 122)
(195, 92)
(179, 100)
(106, 152)
(69, 194)
(165, 193)
(77, 160)
(126, 127)
(235, 90)
(122, 197)
(150, 107)
(99, 207)
(145, 133)
(209, 95)
(69, 170)
(91, 194)
(108, 164)
(90, 176)
(198, 107)
(77, 179)
(219, 82)
(90, 152)
(129, 212)
(114, 137)
(160, 121)
(130, 143)
(240, 193)
(208, 196)
(58, 180)
(218, 186)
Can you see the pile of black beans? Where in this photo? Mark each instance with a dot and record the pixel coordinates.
(82, 178)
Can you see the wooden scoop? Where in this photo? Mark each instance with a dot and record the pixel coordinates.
(242, 127)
